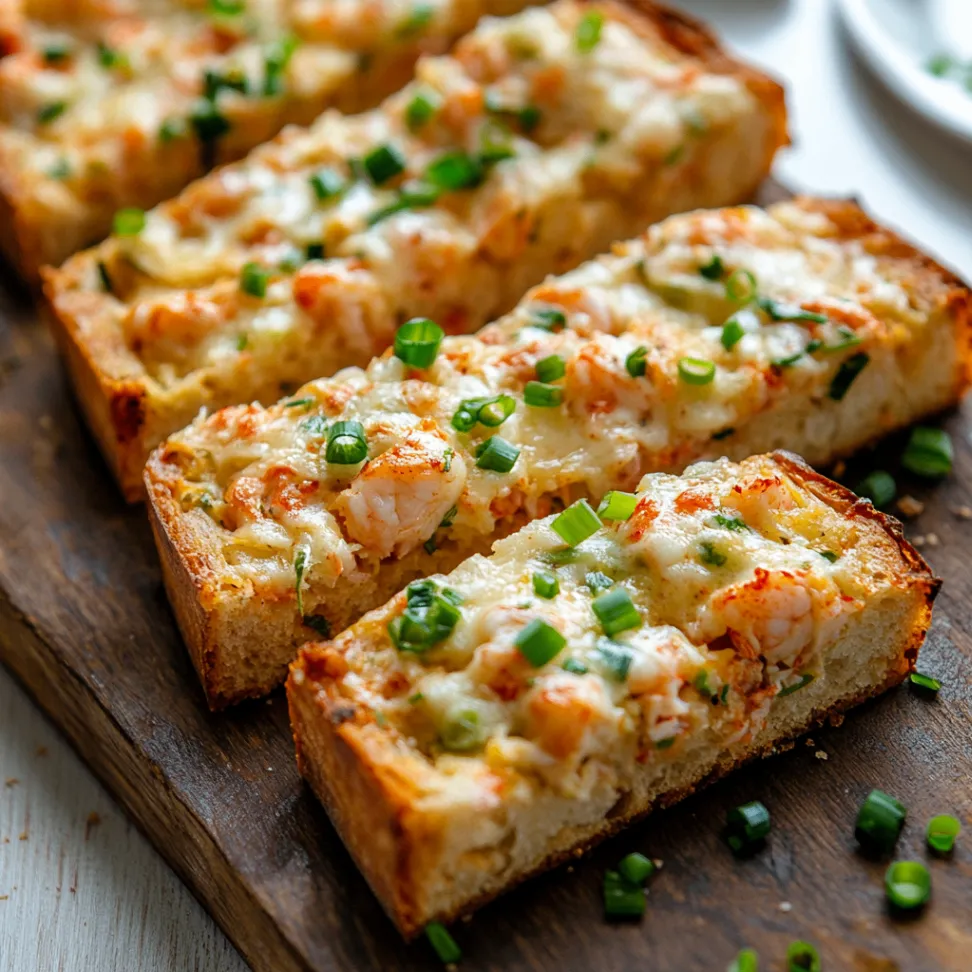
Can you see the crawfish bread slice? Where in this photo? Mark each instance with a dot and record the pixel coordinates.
(115, 104)
(532, 147)
(482, 726)
(731, 333)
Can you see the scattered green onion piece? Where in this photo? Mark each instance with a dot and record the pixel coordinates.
(723, 434)
(497, 455)
(417, 342)
(940, 65)
(732, 333)
(777, 310)
(615, 657)
(942, 832)
(804, 681)
(879, 822)
(129, 221)
(617, 505)
(254, 279)
(539, 642)
(496, 411)
(327, 183)
(696, 371)
(300, 564)
(636, 869)
(621, 898)
(747, 826)
(109, 58)
(616, 612)
(315, 425)
(929, 453)
(637, 362)
(741, 286)
(207, 121)
(548, 318)
(421, 109)
(315, 251)
(383, 163)
(495, 143)
(735, 523)
(346, 444)
(848, 339)
(575, 667)
(429, 617)
(715, 269)
(444, 944)
(879, 487)
(829, 556)
(454, 171)
(298, 403)
(588, 33)
(60, 170)
(48, 113)
(226, 8)
(907, 885)
(318, 623)
(539, 395)
(597, 581)
(710, 555)
(846, 373)
(105, 278)
(461, 730)
(577, 523)
(56, 51)
(546, 584)
(924, 684)
(802, 957)
(419, 17)
(746, 961)
(172, 129)
(275, 60)
(551, 368)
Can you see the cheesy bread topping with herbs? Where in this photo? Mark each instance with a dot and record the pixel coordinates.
(669, 350)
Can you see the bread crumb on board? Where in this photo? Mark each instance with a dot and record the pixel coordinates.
(910, 506)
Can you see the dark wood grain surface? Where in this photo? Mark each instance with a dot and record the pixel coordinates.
(85, 625)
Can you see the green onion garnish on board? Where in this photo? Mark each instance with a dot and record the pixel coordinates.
(907, 885)
(879, 822)
(747, 827)
(942, 832)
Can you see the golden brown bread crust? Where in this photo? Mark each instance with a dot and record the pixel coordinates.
(370, 790)
(108, 378)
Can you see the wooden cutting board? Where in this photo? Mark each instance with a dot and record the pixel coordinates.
(85, 625)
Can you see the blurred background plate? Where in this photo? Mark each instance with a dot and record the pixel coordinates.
(900, 39)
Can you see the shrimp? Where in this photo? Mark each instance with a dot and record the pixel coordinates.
(561, 712)
(399, 499)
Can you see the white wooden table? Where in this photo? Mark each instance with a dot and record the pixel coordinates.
(80, 889)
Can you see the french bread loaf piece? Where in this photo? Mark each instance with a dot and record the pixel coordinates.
(480, 726)
(540, 140)
(106, 105)
(729, 332)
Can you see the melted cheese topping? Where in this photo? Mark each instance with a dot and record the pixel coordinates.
(565, 139)
(98, 98)
(741, 580)
(258, 481)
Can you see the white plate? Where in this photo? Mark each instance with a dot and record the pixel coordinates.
(899, 37)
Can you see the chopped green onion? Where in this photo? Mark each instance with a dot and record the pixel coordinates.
(539, 642)
(444, 944)
(207, 121)
(327, 183)
(298, 403)
(461, 730)
(275, 60)
(300, 564)
(496, 411)
(346, 444)
(829, 556)
(696, 371)
(429, 617)
(747, 826)
(105, 278)
(109, 58)
(548, 318)
(637, 362)
(419, 17)
(254, 279)
(616, 612)
(779, 311)
(802, 957)
(575, 667)
(615, 657)
(846, 374)
(942, 832)
(929, 453)
(384, 163)
(61, 169)
(597, 581)
(453, 171)
(879, 487)
(617, 505)
(741, 286)
(723, 434)
(735, 523)
(48, 113)
(417, 342)
(588, 33)
(495, 143)
(715, 269)
(315, 251)
(214, 82)
(711, 555)
(848, 339)
(924, 684)
(804, 681)
(129, 221)
(497, 455)
(879, 822)
(636, 868)
(621, 898)
(551, 368)
(732, 333)
(318, 623)
(577, 523)
(56, 51)
(746, 961)
(940, 65)
(172, 129)
(546, 584)
(539, 395)
(908, 885)
(315, 425)
(527, 117)
(421, 109)
(226, 8)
